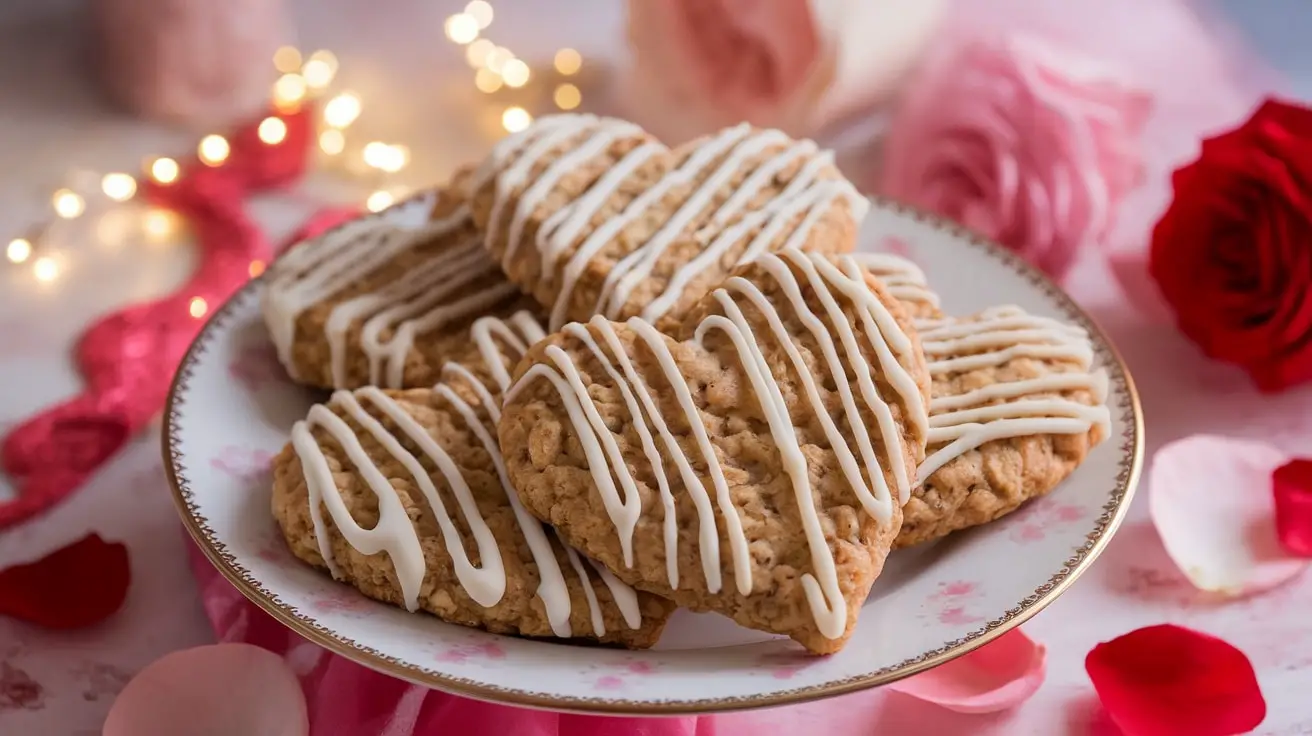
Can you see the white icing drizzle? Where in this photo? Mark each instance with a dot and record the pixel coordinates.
(963, 422)
(904, 280)
(395, 533)
(804, 200)
(821, 586)
(430, 296)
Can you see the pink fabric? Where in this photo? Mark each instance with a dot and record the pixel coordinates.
(346, 699)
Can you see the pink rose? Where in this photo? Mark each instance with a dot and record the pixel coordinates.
(196, 62)
(1021, 143)
(699, 65)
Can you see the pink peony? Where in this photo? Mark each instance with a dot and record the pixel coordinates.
(700, 65)
(1022, 143)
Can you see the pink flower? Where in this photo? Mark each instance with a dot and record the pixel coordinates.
(1020, 142)
(700, 65)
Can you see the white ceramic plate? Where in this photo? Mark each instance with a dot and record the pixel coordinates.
(231, 408)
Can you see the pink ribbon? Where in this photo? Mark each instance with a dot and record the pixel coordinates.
(127, 359)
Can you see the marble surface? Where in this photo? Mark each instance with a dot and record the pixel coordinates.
(54, 128)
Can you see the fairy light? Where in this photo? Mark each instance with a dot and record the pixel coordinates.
(272, 130)
(487, 81)
(164, 170)
(568, 62)
(515, 72)
(397, 158)
(45, 269)
(515, 119)
(118, 187)
(197, 307)
(320, 69)
(477, 52)
(332, 142)
(158, 223)
(388, 158)
(375, 152)
(68, 204)
(289, 91)
(256, 268)
(567, 97)
(481, 12)
(213, 150)
(19, 250)
(287, 59)
(497, 58)
(379, 201)
(462, 28)
(342, 110)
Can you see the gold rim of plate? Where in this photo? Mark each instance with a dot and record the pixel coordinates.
(1113, 513)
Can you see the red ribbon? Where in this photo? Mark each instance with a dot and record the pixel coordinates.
(127, 359)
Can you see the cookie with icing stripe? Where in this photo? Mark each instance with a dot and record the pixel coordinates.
(753, 461)
(404, 495)
(594, 216)
(1017, 405)
(387, 299)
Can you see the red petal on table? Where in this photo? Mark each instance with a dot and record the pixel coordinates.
(1167, 680)
(77, 585)
(1208, 499)
(215, 690)
(999, 675)
(1292, 486)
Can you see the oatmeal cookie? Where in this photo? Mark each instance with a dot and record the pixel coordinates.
(752, 461)
(387, 299)
(1016, 407)
(403, 495)
(594, 216)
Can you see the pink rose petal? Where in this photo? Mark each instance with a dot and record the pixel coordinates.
(216, 690)
(999, 675)
(1210, 500)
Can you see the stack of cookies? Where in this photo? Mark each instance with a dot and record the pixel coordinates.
(606, 378)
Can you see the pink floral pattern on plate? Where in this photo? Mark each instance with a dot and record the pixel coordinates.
(784, 665)
(896, 246)
(345, 600)
(465, 653)
(950, 604)
(256, 366)
(243, 463)
(1034, 521)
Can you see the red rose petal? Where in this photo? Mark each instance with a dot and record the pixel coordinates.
(1292, 484)
(1167, 680)
(74, 586)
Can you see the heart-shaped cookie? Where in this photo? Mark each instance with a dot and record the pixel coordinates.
(1016, 407)
(386, 300)
(404, 495)
(593, 216)
(753, 462)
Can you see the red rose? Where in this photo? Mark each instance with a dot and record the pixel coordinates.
(1233, 253)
